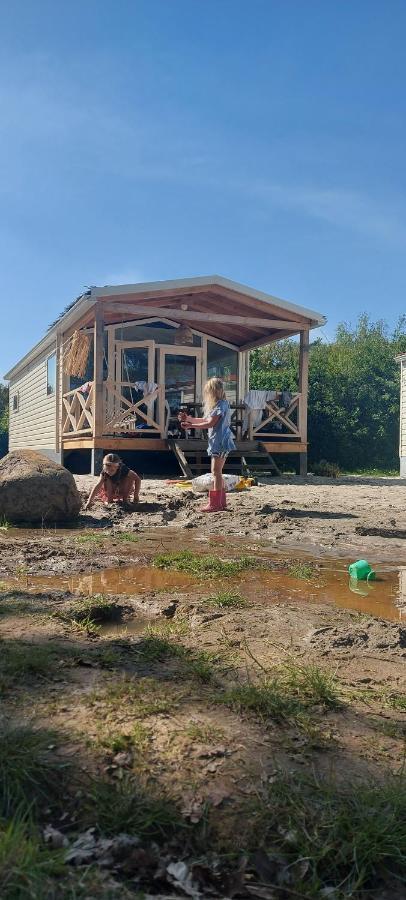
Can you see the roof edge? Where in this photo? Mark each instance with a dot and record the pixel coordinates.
(207, 280)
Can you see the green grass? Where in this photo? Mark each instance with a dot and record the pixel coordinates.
(228, 600)
(351, 839)
(196, 663)
(142, 697)
(186, 561)
(91, 537)
(4, 524)
(137, 739)
(302, 570)
(20, 660)
(31, 777)
(374, 473)
(26, 864)
(87, 613)
(205, 732)
(286, 693)
(127, 808)
(396, 730)
(126, 537)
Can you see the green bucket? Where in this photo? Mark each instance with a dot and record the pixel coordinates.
(361, 570)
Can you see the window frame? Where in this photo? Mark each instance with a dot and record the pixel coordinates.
(51, 393)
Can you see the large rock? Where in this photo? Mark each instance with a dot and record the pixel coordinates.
(35, 489)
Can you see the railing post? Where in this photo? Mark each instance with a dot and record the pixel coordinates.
(98, 394)
(303, 390)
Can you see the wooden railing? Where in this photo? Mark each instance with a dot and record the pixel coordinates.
(287, 418)
(77, 410)
(122, 414)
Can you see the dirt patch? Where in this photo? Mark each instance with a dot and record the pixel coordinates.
(187, 714)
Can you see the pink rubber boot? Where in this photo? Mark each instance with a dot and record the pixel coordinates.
(215, 502)
(223, 499)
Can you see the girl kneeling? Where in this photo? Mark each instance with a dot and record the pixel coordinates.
(117, 482)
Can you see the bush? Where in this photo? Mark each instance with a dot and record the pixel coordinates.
(326, 469)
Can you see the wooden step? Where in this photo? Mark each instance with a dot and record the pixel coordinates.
(248, 457)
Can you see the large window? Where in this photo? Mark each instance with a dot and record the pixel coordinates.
(51, 374)
(160, 332)
(223, 363)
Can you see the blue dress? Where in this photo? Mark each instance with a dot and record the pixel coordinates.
(221, 439)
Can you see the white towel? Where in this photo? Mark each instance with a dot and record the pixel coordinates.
(255, 402)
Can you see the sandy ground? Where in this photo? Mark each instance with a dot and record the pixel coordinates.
(349, 516)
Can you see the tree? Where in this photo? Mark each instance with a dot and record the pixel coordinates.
(353, 391)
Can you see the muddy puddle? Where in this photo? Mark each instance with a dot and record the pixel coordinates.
(125, 580)
(384, 598)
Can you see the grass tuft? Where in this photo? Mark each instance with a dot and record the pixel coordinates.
(142, 697)
(30, 775)
(26, 865)
(126, 537)
(302, 570)
(186, 561)
(19, 659)
(125, 807)
(87, 613)
(351, 839)
(286, 693)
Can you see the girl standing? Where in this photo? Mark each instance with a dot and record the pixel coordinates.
(117, 482)
(217, 418)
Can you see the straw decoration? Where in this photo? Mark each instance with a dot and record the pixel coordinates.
(76, 354)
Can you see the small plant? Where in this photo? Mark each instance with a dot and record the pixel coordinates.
(137, 739)
(228, 600)
(20, 660)
(205, 732)
(352, 841)
(186, 561)
(30, 775)
(90, 537)
(4, 524)
(27, 867)
(302, 570)
(143, 697)
(286, 692)
(126, 808)
(126, 536)
(326, 469)
(197, 663)
(87, 613)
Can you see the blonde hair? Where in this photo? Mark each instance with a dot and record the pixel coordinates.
(213, 391)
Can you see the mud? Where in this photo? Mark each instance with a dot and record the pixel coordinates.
(144, 667)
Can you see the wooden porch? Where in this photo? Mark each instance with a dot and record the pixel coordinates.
(152, 351)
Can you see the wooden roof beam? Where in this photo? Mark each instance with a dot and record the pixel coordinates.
(192, 316)
(271, 338)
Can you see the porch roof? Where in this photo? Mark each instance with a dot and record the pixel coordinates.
(212, 304)
(216, 306)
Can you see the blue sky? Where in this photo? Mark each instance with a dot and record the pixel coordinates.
(148, 139)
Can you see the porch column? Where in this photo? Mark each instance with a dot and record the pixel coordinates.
(98, 392)
(303, 389)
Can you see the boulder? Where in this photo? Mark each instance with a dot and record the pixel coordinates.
(35, 489)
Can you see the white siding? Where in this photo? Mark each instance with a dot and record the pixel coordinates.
(33, 426)
(403, 408)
